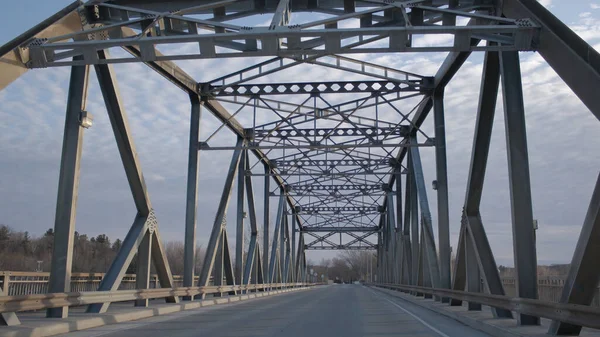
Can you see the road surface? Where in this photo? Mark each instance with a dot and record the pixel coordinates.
(335, 310)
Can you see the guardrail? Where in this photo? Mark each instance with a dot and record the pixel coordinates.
(568, 313)
(549, 289)
(29, 283)
(55, 300)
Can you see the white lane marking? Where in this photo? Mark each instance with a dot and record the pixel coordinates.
(411, 314)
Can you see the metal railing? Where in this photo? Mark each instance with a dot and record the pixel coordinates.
(15, 283)
(29, 283)
(549, 289)
(567, 313)
(55, 300)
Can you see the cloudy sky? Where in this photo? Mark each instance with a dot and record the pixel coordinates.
(564, 158)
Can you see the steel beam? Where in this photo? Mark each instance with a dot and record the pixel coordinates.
(412, 202)
(472, 228)
(584, 275)
(239, 233)
(442, 190)
(427, 227)
(13, 63)
(191, 206)
(266, 225)
(513, 37)
(306, 229)
(220, 218)
(314, 88)
(68, 185)
(520, 188)
(145, 219)
(573, 59)
(253, 257)
(142, 273)
(276, 237)
(472, 272)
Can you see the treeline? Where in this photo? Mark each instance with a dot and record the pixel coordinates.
(19, 251)
(348, 266)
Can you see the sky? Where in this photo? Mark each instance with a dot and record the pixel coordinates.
(562, 140)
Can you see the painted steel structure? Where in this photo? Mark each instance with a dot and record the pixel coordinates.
(335, 165)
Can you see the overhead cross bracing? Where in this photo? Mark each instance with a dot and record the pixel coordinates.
(341, 154)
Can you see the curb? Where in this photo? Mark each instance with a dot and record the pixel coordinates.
(73, 324)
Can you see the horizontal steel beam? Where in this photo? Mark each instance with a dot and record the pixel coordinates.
(334, 162)
(568, 313)
(326, 209)
(285, 41)
(402, 131)
(306, 229)
(341, 247)
(335, 187)
(202, 146)
(313, 88)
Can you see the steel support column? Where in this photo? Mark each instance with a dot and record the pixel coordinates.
(239, 233)
(427, 227)
(68, 185)
(142, 273)
(191, 206)
(414, 220)
(520, 190)
(472, 226)
(220, 218)
(472, 271)
(584, 274)
(276, 236)
(442, 190)
(145, 220)
(266, 210)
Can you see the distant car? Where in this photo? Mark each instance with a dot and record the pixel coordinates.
(337, 281)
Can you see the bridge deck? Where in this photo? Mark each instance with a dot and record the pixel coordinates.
(336, 310)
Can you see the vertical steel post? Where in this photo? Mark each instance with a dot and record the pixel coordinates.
(266, 211)
(414, 220)
(191, 205)
(520, 189)
(472, 225)
(276, 235)
(220, 218)
(142, 274)
(472, 271)
(253, 258)
(219, 257)
(429, 242)
(293, 259)
(442, 190)
(68, 185)
(239, 233)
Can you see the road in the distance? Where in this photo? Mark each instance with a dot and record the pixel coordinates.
(335, 310)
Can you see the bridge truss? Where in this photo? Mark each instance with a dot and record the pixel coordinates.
(341, 159)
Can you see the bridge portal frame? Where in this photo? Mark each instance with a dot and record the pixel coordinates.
(507, 27)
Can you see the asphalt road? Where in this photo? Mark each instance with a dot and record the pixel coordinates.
(335, 310)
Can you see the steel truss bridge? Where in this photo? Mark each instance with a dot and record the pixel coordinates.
(341, 159)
